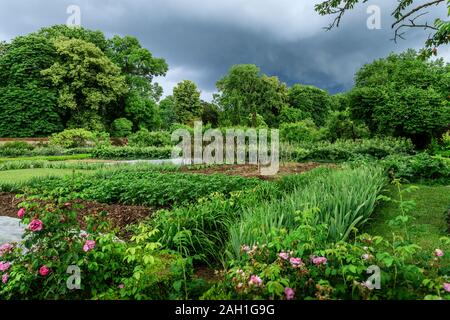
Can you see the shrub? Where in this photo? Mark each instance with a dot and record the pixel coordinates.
(299, 264)
(109, 268)
(144, 138)
(419, 167)
(118, 153)
(74, 138)
(303, 131)
(343, 150)
(17, 145)
(121, 128)
(339, 125)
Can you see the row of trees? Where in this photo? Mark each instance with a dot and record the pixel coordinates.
(61, 77)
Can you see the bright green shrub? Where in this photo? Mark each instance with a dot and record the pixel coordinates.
(121, 128)
(18, 145)
(419, 167)
(74, 138)
(130, 153)
(144, 138)
(303, 131)
(339, 125)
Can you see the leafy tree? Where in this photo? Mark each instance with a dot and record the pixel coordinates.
(139, 67)
(292, 115)
(210, 113)
(315, 103)
(144, 113)
(3, 48)
(403, 95)
(244, 91)
(27, 101)
(167, 112)
(188, 106)
(340, 125)
(95, 37)
(88, 83)
(407, 14)
(121, 128)
(302, 131)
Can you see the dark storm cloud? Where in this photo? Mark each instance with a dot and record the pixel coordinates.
(201, 39)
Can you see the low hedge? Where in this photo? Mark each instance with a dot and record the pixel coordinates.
(117, 153)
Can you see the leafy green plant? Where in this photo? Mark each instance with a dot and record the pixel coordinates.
(144, 138)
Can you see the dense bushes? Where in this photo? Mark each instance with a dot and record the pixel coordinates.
(118, 153)
(419, 167)
(75, 138)
(121, 128)
(303, 131)
(343, 150)
(144, 138)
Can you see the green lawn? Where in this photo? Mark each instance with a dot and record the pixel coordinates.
(430, 222)
(14, 176)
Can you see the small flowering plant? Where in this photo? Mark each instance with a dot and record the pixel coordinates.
(301, 264)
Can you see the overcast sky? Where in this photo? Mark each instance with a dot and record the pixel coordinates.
(201, 39)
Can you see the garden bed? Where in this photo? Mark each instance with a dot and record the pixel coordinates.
(253, 171)
(120, 216)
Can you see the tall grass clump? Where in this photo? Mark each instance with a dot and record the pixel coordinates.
(341, 199)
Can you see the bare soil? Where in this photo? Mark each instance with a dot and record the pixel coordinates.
(253, 171)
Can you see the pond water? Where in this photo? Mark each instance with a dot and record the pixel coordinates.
(11, 230)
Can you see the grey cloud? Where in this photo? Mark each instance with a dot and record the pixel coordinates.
(201, 39)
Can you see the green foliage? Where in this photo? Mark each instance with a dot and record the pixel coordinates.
(303, 131)
(418, 167)
(151, 188)
(403, 95)
(187, 104)
(243, 91)
(167, 112)
(109, 268)
(343, 150)
(86, 80)
(27, 102)
(292, 115)
(343, 199)
(339, 125)
(132, 153)
(121, 128)
(18, 145)
(311, 101)
(75, 138)
(144, 138)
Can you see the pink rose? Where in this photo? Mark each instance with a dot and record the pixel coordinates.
(21, 213)
(289, 293)
(5, 278)
(319, 260)
(439, 253)
(43, 271)
(36, 225)
(89, 245)
(284, 255)
(121, 286)
(5, 248)
(296, 262)
(255, 280)
(447, 287)
(4, 266)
